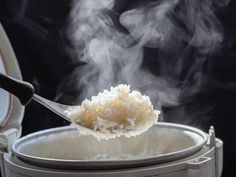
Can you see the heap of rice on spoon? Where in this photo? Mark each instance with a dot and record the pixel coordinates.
(113, 113)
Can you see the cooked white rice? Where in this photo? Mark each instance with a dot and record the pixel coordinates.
(114, 113)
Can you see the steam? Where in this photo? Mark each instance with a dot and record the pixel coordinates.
(181, 33)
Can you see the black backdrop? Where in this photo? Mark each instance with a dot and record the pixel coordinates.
(36, 29)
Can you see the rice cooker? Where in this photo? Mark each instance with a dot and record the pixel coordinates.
(165, 150)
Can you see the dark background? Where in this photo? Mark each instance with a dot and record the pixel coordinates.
(37, 31)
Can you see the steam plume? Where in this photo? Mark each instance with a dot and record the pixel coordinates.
(182, 34)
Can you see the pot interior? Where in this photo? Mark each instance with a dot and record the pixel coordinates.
(162, 143)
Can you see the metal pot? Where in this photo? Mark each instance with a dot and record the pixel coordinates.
(66, 148)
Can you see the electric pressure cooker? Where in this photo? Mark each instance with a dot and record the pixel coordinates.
(165, 150)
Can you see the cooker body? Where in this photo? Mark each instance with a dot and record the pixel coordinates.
(207, 162)
(201, 164)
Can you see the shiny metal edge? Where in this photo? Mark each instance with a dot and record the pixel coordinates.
(107, 164)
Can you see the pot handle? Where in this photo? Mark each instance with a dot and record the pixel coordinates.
(24, 91)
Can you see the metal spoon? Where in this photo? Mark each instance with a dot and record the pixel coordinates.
(24, 91)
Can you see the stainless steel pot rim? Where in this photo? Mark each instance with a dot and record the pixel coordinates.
(104, 164)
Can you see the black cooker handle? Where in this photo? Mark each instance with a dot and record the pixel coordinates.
(23, 90)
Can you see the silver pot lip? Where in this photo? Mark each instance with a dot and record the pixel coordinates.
(107, 164)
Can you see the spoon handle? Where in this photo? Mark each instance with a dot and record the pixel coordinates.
(24, 91)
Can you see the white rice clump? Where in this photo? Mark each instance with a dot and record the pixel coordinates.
(114, 113)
